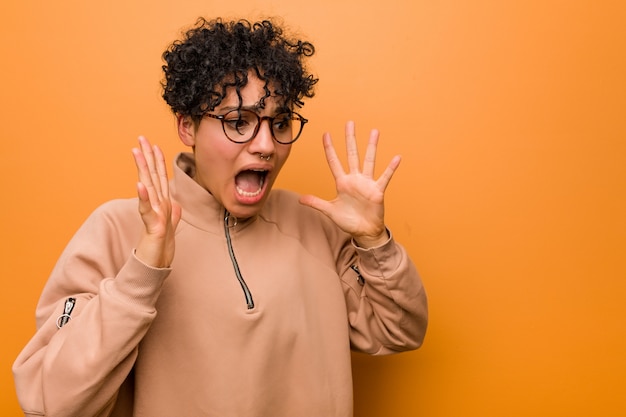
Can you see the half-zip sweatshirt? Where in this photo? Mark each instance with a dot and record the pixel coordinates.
(254, 318)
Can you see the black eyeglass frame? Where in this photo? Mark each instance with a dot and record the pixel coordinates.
(292, 116)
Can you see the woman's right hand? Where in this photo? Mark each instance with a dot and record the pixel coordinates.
(159, 212)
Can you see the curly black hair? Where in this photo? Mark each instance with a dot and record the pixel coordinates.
(215, 55)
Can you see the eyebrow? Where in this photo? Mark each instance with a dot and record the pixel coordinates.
(255, 108)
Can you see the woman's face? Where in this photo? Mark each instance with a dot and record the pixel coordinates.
(234, 173)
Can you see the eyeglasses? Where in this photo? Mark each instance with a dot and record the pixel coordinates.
(241, 126)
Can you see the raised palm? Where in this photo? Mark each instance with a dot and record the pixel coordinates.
(358, 208)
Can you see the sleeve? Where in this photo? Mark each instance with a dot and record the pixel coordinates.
(77, 369)
(385, 298)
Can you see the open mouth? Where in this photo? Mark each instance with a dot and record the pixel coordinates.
(249, 183)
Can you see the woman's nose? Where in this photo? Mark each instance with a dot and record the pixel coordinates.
(263, 142)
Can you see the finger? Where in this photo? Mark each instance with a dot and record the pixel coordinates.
(331, 156)
(142, 166)
(144, 200)
(153, 175)
(316, 203)
(369, 161)
(385, 177)
(142, 193)
(145, 191)
(351, 148)
(161, 169)
(147, 210)
(176, 214)
(148, 191)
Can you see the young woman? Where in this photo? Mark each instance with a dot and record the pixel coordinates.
(223, 297)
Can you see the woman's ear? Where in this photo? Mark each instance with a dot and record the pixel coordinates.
(186, 130)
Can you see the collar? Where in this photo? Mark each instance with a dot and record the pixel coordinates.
(200, 208)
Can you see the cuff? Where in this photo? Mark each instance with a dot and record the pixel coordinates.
(139, 283)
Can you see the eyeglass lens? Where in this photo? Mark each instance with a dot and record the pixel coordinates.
(243, 125)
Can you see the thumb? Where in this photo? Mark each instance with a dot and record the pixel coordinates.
(176, 213)
(315, 202)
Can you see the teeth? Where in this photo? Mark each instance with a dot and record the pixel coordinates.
(249, 194)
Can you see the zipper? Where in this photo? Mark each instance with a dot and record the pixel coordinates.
(242, 282)
(67, 311)
(359, 277)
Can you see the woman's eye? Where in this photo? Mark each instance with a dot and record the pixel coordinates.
(282, 122)
(236, 124)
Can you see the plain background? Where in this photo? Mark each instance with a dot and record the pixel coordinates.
(509, 115)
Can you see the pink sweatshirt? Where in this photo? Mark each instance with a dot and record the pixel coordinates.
(251, 320)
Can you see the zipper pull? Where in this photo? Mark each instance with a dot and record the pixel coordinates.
(230, 221)
(67, 311)
(359, 277)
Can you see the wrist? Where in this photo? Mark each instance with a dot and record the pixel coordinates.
(367, 242)
(153, 253)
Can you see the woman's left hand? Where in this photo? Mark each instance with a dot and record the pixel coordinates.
(358, 208)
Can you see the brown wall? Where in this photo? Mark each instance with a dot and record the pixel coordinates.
(510, 116)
